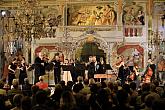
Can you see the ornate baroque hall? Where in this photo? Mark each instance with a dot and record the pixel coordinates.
(52, 44)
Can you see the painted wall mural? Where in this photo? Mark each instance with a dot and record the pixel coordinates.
(134, 14)
(130, 53)
(84, 15)
(53, 15)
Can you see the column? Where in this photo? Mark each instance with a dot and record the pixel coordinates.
(109, 53)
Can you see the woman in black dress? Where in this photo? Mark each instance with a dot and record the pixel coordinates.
(121, 72)
(23, 73)
(12, 69)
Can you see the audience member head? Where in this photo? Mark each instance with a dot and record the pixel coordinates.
(80, 79)
(98, 85)
(149, 100)
(58, 87)
(126, 87)
(34, 89)
(146, 87)
(78, 87)
(41, 97)
(62, 83)
(152, 87)
(67, 100)
(122, 97)
(17, 100)
(156, 82)
(133, 86)
(15, 83)
(160, 91)
(110, 86)
(1, 84)
(70, 84)
(57, 92)
(94, 88)
(102, 96)
(41, 78)
(26, 103)
(103, 84)
(26, 81)
(158, 104)
(86, 82)
(91, 81)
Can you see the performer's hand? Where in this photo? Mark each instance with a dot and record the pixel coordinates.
(42, 64)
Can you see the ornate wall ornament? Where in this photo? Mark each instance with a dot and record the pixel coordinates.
(102, 44)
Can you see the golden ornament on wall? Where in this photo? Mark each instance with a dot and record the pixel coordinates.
(90, 38)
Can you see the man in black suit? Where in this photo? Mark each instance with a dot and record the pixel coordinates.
(91, 67)
(57, 69)
(39, 67)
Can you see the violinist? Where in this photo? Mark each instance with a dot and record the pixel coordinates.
(39, 66)
(121, 72)
(22, 67)
(57, 68)
(12, 69)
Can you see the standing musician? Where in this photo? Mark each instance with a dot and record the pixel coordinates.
(91, 67)
(22, 67)
(121, 72)
(39, 66)
(57, 69)
(66, 71)
(12, 69)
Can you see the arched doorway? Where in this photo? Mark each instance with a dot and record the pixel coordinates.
(91, 45)
(91, 49)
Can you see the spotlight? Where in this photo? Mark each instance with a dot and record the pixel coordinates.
(3, 13)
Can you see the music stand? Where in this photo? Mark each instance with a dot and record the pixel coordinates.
(108, 67)
(66, 68)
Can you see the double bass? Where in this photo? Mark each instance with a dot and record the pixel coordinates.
(148, 75)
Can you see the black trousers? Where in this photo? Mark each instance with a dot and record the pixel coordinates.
(11, 76)
(57, 78)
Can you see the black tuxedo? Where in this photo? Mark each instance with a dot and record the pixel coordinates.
(39, 68)
(57, 71)
(91, 70)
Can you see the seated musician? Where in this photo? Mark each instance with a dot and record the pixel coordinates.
(148, 73)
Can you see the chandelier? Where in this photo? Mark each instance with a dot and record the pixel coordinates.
(29, 22)
(25, 22)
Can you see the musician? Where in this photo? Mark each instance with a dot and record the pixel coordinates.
(73, 70)
(66, 72)
(100, 68)
(39, 67)
(12, 69)
(91, 67)
(57, 69)
(130, 63)
(22, 67)
(149, 74)
(121, 72)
